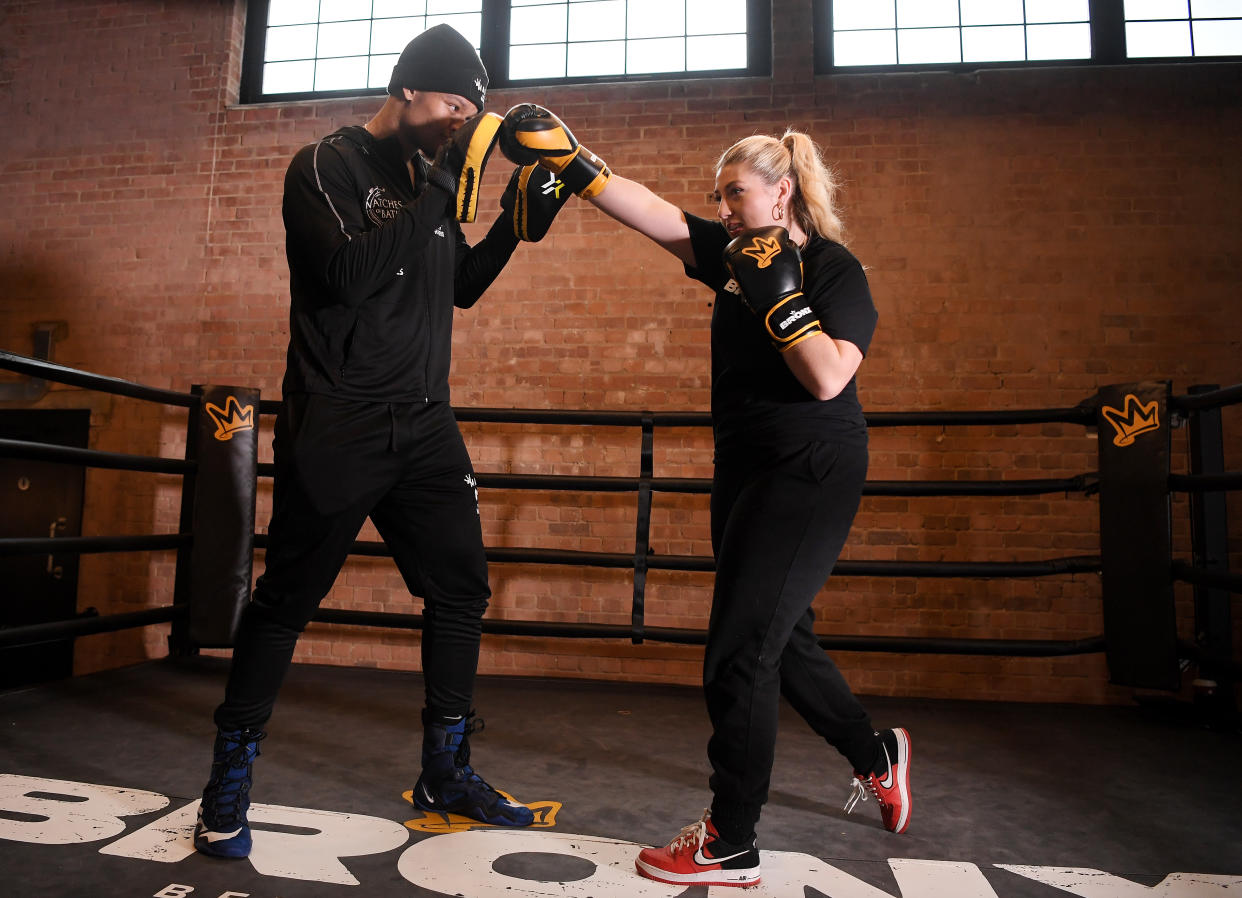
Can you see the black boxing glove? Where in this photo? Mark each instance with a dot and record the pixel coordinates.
(458, 166)
(531, 134)
(532, 199)
(768, 269)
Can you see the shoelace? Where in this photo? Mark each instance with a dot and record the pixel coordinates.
(461, 760)
(858, 792)
(692, 836)
(230, 792)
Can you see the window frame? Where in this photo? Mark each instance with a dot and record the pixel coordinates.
(494, 36)
(1107, 21)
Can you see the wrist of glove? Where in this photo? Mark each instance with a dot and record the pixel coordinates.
(789, 321)
(767, 266)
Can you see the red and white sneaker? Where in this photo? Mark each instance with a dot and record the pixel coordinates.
(892, 788)
(699, 855)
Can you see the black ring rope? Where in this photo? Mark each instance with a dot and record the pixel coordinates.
(646, 484)
(1205, 483)
(1211, 399)
(1071, 564)
(71, 376)
(1083, 413)
(93, 458)
(90, 622)
(1199, 576)
(59, 545)
(1041, 648)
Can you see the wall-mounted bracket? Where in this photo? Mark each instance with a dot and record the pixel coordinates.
(32, 389)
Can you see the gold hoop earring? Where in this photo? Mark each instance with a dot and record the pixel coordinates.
(777, 212)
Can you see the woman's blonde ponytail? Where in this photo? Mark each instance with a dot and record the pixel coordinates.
(797, 157)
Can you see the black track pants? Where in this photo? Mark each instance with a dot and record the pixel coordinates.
(777, 529)
(337, 463)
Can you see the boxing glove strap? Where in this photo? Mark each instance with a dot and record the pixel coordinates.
(790, 321)
(585, 174)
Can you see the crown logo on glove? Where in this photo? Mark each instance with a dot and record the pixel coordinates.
(763, 250)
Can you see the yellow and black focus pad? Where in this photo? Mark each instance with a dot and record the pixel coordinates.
(791, 321)
(478, 145)
(585, 173)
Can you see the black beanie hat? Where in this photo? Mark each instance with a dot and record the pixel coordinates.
(441, 60)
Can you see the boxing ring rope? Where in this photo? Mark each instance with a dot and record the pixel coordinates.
(1206, 485)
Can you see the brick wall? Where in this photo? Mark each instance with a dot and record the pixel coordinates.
(1030, 235)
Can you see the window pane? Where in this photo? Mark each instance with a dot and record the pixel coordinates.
(341, 74)
(994, 43)
(391, 35)
(1151, 39)
(666, 54)
(1156, 9)
(656, 18)
(1058, 41)
(1215, 9)
(290, 42)
(344, 10)
(352, 44)
(716, 51)
(1217, 37)
(1057, 11)
(596, 58)
(292, 12)
(288, 77)
(649, 35)
(851, 14)
(537, 61)
(596, 21)
(720, 51)
(469, 26)
(926, 13)
(537, 24)
(929, 45)
(715, 16)
(344, 39)
(991, 12)
(452, 6)
(864, 47)
(381, 71)
(382, 9)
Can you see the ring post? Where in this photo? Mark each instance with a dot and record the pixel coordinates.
(222, 555)
(1209, 535)
(1140, 627)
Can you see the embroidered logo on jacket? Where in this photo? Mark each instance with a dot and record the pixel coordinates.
(380, 207)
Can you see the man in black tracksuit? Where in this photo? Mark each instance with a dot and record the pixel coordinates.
(377, 263)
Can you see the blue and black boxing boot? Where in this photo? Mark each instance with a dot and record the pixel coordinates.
(222, 829)
(448, 783)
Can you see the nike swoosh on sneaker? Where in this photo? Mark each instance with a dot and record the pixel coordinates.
(704, 861)
(216, 837)
(888, 780)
